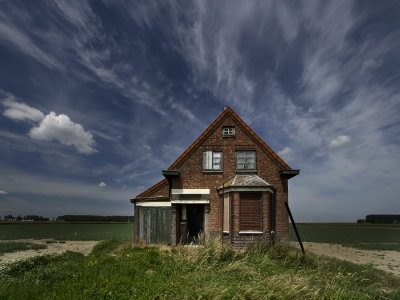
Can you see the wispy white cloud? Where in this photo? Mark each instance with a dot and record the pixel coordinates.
(3, 192)
(10, 32)
(102, 184)
(287, 154)
(339, 141)
(62, 129)
(20, 111)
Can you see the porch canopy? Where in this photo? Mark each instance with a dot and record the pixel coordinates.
(190, 196)
(245, 183)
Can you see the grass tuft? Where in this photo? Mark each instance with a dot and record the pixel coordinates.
(8, 247)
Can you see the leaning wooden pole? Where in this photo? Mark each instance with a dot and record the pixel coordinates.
(295, 228)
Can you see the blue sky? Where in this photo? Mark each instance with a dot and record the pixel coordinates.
(97, 97)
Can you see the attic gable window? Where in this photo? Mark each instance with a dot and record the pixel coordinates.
(212, 161)
(246, 160)
(228, 131)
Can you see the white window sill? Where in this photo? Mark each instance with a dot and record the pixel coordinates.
(225, 232)
(250, 232)
(213, 171)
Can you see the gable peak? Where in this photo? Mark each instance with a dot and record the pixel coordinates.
(227, 110)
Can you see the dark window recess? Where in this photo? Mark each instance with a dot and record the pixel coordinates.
(250, 212)
(191, 197)
(246, 160)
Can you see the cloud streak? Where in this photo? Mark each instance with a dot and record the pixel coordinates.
(20, 111)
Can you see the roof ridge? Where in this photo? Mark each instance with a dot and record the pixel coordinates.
(153, 188)
(200, 137)
(261, 141)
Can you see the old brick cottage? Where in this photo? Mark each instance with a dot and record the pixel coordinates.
(229, 184)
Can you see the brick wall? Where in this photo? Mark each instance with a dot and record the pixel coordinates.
(192, 176)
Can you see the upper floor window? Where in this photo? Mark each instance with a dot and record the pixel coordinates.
(246, 160)
(228, 131)
(212, 160)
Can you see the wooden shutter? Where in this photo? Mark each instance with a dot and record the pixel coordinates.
(250, 212)
(226, 213)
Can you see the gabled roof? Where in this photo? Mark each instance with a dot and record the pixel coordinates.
(214, 124)
(204, 135)
(153, 189)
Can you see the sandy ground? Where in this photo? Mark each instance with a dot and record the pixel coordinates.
(53, 247)
(388, 261)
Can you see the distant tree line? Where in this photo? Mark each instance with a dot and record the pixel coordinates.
(381, 219)
(34, 218)
(91, 218)
(69, 218)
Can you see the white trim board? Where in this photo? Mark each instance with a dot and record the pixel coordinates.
(153, 204)
(190, 191)
(190, 201)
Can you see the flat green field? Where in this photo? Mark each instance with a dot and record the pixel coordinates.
(361, 236)
(67, 231)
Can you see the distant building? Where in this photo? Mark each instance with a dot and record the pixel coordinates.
(229, 184)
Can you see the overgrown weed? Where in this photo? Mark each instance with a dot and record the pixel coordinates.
(117, 270)
(8, 247)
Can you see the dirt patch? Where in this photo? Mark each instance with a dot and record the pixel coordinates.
(388, 261)
(53, 247)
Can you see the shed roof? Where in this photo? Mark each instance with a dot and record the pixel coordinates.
(153, 189)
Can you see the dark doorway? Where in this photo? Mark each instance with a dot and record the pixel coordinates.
(195, 221)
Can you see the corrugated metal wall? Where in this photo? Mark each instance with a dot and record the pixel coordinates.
(155, 225)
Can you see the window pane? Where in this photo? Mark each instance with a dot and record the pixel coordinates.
(212, 160)
(228, 131)
(245, 160)
(251, 166)
(217, 159)
(250, 155)
(207, 160)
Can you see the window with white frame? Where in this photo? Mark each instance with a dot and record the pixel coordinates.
(228, 131)
(212, 160)
(245, 160)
